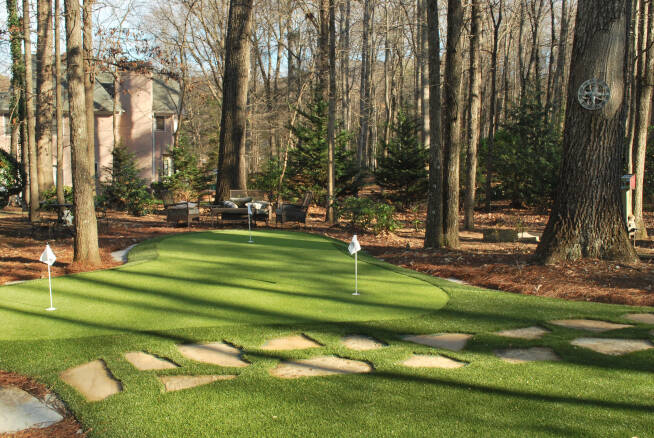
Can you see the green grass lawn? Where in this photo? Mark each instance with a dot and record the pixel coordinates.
(214, 286)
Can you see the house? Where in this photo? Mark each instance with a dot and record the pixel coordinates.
(146, 116)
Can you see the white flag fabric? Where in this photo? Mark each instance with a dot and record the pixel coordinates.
(354, 246)
(249, 209)
(48, 257)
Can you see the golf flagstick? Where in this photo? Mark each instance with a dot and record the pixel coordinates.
(48, 257)
(249, 226)
(354, 248)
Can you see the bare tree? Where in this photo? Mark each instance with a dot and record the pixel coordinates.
(86, 228)
(586, 219)
(59, 105)
(44, 94)
(30, 117)
(89, 79)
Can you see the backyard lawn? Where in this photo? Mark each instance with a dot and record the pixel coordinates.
(197, 288)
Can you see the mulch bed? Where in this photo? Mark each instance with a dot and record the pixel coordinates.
(502, 266)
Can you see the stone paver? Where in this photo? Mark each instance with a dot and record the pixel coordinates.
(521, 355)
(215, 353)
(613, 347)
(447, 341)
(295, 342)
(430, 361)
(176, 383)
(20, 410)
(121, 255)
(93, 380)
(143, 361)
(590, 325)
(533, 332)
(319, 366)
(643, 318)
(362, 343)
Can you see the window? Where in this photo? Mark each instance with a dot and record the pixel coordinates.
(167, 165)
(160, 123)
(7, 124)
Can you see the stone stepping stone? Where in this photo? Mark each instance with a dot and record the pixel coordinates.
(176, 383)
(121, 255)
(319, 366)
(93, 380)
(447, 341)
(522, 355)
(643, 318)
(613, 347)
(590, 325)
(144, 362)
(430, 361)
(20, 410)
(533, 332)
(295, 342)
(362, 343)
(215, 353)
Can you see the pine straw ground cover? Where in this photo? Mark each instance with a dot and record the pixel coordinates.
(502, 266)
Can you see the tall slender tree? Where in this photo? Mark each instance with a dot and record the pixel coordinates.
(586, 219)
(44, 94)
(59, 104)
(232, 166)
(434, 223)
(89, 78)
(86, 228)
(30, 119)
(331, 117)
(17, 75)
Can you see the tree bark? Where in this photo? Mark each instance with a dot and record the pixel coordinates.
(452, 122)
(559, 76)
(586, 217)
(231, 163)
(497, 22)
(331, 118)
(59, 106)
(17, 76)
(34, 214)
(86, 229)
(424, 76)
(364, 98)
(44, 95)
(434, 222)
(89, 78)
(474, 114)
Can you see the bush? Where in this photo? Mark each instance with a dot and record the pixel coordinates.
(526, 156)
(402, 163)
(268, 180)
(124, 190)
(366, 214)
(12, 177)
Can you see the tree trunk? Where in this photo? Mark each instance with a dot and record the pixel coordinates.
(497, 22)
(474, 114)
(434, 222)
(86, 229)
(586, 217)
(452, 122)
(323, 52)
(231, 171)
(424, 76)
(59, 106)
(30, 117)
(364, 99)
(17, 76)
(331, 118)
(645, 86)
(89, 78)
(559, 77)
(44, 95)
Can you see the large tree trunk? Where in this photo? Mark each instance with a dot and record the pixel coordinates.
(586, 219)
(452, 122)
(231, 166)
(434, 223)
(86, 229)
(643, 111)
(45, 95)
(474, 114)
(59, 107)
(89, 78)
(30, 117)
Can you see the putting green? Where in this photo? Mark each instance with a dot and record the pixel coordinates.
(214, 279)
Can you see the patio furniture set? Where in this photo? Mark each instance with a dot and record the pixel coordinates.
(236, 209)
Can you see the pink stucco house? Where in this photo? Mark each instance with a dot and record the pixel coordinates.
(146, 120)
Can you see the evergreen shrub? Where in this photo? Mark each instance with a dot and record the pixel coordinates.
(12, 177)
(367, 214)
(123, 188)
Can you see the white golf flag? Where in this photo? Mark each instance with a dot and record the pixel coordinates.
(354, 246)
(249, 209)
(48, 257)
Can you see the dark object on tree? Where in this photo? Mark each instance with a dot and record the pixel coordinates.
(124, 190)
(12, 177)
(401, 165)
(177, 212)
(294, 212)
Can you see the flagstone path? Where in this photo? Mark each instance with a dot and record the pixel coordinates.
(95, 382)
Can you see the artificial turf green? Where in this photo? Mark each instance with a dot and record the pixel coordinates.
(199, 287)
